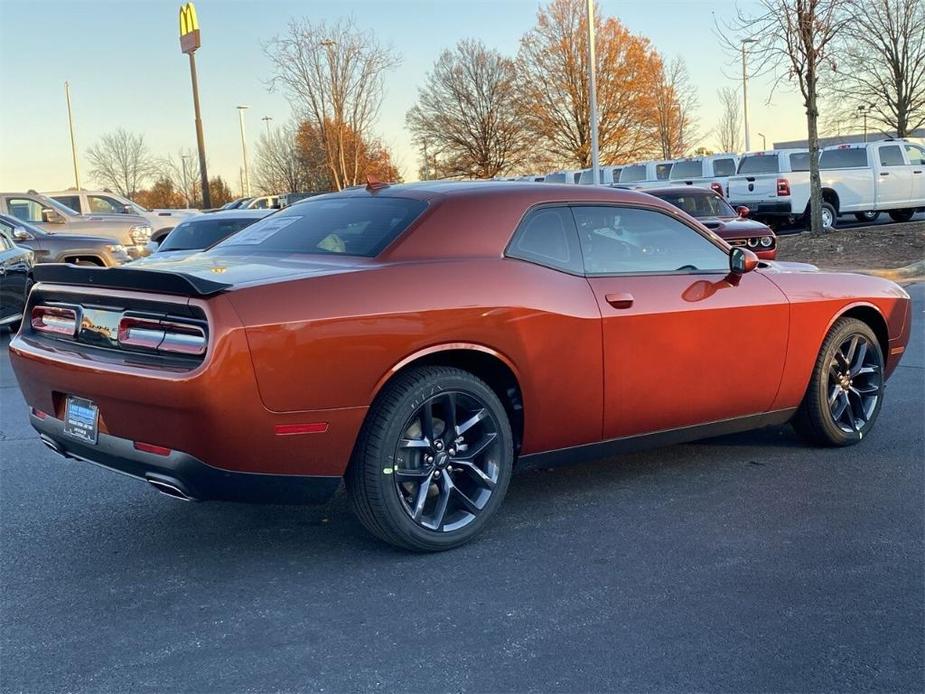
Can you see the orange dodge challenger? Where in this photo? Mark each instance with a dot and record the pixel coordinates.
(422, 341)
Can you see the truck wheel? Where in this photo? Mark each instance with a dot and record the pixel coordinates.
(829, 216)
(870, 216)
(902, 215)
(433, 460)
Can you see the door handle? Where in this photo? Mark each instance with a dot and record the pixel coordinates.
(884, 173)
(621, 300)
(916, 172)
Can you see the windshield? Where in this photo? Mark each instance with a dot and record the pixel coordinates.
(699, 205)
(341, 225)
(759, 163)
(687, 169)
(195, 235)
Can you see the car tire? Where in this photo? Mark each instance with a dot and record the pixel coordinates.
(829, 216)
(399, 477)
(869, 217)
(902, 215)
(845, 392)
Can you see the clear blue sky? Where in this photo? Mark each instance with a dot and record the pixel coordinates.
(125, 69)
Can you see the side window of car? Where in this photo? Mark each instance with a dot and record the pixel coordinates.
(71, 201)
(891, 155)
(626, 240)
(100, 204)
(5, 243)
(546, 236)
(25, 209)
(916, 155)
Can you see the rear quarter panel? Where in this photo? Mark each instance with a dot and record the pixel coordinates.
(331, 342)
(855, 187)
(817, 300)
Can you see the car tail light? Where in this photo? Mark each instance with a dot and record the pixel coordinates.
(783, 187)
(161, 335)
(55, 320)
(39, 414)
(717, 188)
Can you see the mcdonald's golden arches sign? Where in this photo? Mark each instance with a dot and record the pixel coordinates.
(189, 28)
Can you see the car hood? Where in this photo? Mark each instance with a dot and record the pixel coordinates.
(735, 227)
(241, 271)
(122, 218)
(76, 239)
(784, 266)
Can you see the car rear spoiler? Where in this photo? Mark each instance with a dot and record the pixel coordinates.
(155, 281)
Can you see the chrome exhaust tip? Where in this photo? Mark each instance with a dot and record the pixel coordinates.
(169, 488)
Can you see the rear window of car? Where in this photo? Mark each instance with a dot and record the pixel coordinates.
(338, 225)
(662, 171)
(759, 164)
(799, 161)
(633, 173)
(199, 234)
(850, 158)
(555, 178)
(687, 169)
(724, 167)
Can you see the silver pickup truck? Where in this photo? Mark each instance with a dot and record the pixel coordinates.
(131, 231)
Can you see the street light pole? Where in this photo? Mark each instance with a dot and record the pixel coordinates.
(183, 158)
(70, 123)
(189, 42)
(592, 82)
(863, 111)
(247, 180)
(764, 141)
(745, 94)
(266, 120)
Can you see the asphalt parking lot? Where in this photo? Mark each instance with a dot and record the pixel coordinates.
(743, 563)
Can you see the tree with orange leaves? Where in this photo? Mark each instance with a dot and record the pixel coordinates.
(553, 86)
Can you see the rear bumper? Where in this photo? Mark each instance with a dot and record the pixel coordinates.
(189, 477)
(765, 208)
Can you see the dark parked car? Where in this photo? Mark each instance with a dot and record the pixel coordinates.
(15, 280)
(63, 248)
(717, 215)
(203, 230)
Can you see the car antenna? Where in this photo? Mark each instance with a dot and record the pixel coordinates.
(373, 183)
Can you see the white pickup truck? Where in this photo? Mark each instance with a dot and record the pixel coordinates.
(711, 171)
(647, 174)
(863, 179)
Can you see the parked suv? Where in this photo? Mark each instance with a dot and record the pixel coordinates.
(63, 248)
(863, 179)
(92, 202)
(130, 231)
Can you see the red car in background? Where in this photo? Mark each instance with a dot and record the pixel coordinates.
(422, 341)
(712, 210)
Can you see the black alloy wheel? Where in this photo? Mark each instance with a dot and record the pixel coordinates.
(446, 461)
(845, 392)
(433, 460)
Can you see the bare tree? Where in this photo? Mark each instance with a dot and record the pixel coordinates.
(675, 109)
(121, 161)
(332, 74)
(793, 40)
(467, 113)
(279, 166)
(182, 170)
(729, 128)
(880, 66)
(552, 69)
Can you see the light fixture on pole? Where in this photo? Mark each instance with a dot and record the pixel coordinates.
(592, 86)
(247, 180)
(189, 42)
(266, 120)
(70, 124)
(745, 93)
(764, 142)
(864, 110)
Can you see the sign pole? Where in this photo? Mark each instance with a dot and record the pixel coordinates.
(189, 42)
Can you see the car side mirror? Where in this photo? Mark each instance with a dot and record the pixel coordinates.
(742, 260)
(20, 234)
(51, 216)
(743, 211)
(127, 209)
